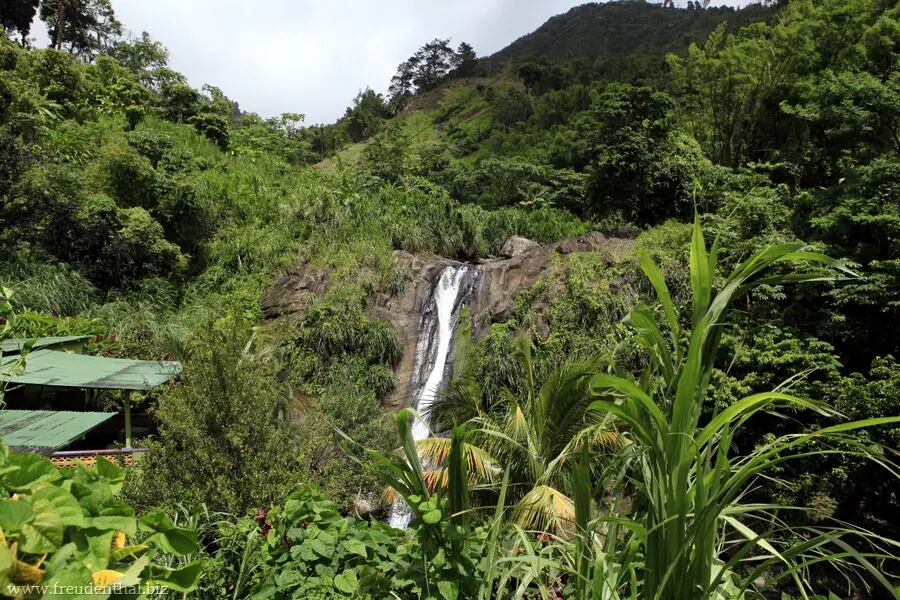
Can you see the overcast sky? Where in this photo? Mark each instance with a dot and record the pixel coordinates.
(312, 57)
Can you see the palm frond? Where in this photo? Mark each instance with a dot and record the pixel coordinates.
(559, 411)
(546, 508)
(481, 466)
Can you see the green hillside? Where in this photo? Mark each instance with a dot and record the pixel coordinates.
(621, 30)
(703, 406)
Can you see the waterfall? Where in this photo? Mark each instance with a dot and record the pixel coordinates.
(434, 352)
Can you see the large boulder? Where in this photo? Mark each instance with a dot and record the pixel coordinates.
(517, 245)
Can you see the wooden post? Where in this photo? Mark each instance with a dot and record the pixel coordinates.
(128, 419)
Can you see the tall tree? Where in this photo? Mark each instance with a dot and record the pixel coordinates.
(433, 61)
(428, 66)
(17, 15)
(402, 83)
(364, 118)
(465, 62)
(82, 27)
(141, 54)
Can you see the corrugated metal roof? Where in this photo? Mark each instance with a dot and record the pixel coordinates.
(45, 431)
(61, 369)
(14, 346)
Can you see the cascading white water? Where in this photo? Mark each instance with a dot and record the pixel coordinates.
(445, 295)
(433, 350)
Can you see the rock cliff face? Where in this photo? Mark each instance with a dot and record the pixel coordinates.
(492, 301)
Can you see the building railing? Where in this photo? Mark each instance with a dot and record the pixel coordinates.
(124, 457)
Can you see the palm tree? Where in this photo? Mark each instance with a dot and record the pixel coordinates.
(533, 433)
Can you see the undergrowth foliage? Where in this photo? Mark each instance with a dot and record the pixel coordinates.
(155, 217)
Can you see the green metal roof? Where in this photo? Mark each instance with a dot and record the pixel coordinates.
(62, 369)
(45, 431)
(14, 346)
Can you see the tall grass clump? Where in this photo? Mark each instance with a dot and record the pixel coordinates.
(47, 287)
(692, 533)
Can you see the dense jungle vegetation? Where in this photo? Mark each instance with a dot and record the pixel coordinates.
(678, 421)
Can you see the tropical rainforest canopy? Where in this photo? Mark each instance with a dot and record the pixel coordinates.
(597, 442)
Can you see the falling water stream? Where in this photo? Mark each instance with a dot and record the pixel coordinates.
(440, 314)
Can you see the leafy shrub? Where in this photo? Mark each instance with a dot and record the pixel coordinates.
(312, 551)
(224, 432)
(136, 248)
(151, 145)
(44, 206)
(185, 211)
(65, 527)
(213, 126)
(129, 177)
(59, 76)
(330, 333)
(642, 166)
(356, 411)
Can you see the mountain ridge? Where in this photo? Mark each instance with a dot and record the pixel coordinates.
(593, 30)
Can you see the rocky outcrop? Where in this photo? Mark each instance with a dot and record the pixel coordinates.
(517, 245)
(505, 279)
(289, 295)
(493, 299)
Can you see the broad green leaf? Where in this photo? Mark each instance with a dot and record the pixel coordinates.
(701, 278)
(155, 522)
(113, 474)
(432, 517)
(6, 563)
(132, 577)
(448, 590)
(121, 554)
(108, 513)
(304, 551)
(75, 582)
(346, 581)
(662, 292)
(355, 547)
(45, 532)
(177, 541)
(322, 549)
(182, 580)
(324, 571)
(5, 559)
(69, 509)
(288, 578)
(94, 546)
(32, 469)
(14, 514)
(172, 539)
